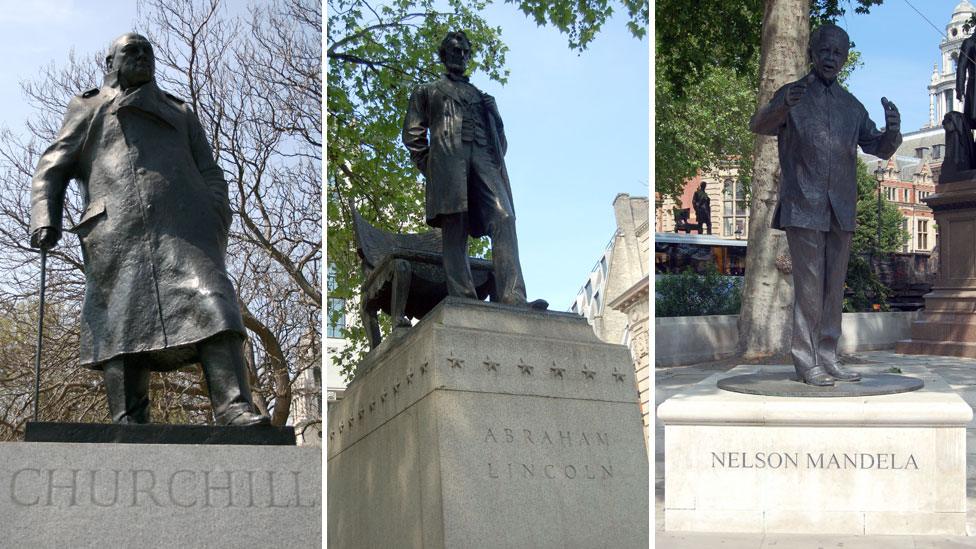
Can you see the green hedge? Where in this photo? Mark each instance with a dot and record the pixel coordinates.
(691, 294)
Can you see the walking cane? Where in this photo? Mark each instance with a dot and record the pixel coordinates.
(40, 334)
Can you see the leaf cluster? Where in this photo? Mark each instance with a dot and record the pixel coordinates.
(693, 294)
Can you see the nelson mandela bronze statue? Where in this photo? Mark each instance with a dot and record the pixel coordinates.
(153, 237)
(819, 126)
(456, 138)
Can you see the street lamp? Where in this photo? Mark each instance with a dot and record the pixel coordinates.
(879, 175)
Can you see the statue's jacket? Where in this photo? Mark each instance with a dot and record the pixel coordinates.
(154, 228)
(435, 108)
(818, 139)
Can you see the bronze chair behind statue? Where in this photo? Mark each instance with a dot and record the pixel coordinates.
(404, 275)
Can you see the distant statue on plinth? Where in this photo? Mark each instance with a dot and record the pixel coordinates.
(703, 209)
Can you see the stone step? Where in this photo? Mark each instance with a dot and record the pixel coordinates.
(932, 347)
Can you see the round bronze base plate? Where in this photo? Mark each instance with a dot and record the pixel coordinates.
(788, 384)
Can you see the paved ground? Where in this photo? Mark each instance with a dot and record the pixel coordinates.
(958, 372)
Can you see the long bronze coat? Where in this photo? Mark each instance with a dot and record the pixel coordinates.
(436, 109)
(154, 228)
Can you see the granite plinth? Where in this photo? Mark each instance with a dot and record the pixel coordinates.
(489, 426)
(260, 435)
(888, 464)
(787, 384)
(948, 323)
(159, 495)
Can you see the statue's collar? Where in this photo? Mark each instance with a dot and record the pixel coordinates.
(149, 99)
(455, 77)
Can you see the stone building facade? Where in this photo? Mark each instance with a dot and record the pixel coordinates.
(615, 297)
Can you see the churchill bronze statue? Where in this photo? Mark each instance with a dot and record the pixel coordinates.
(819, 126)
(456, 139)
(153, 237)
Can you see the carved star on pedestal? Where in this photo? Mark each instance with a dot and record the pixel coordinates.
(556, 370)
(332, 435)
(396, 386)
(361, 413)
(619, 376)
(409, 376)
(423, 367)
(490, 365)
(587, 373)
(350, 423)
(383, 396)
(455, 362)
(340, 428)
(372, 406)
(526, 369)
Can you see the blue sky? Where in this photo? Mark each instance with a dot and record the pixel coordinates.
(33, 34)
(577, 129)
(898, 48)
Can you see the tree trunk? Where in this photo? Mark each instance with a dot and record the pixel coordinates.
(765, 322)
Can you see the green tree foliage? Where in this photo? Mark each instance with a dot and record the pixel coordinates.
(376, 55)
(581, 21)
(708, 124)
(693, 294)
(862, 280)
(893, 233)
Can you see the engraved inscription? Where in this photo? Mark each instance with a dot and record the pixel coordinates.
(812, 460)
(566, 468)
(183, 488)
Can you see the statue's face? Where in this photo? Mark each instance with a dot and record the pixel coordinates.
(829, 55)
(134, 60)
(456, 55)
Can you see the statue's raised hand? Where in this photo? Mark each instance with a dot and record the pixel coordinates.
(892, 117)
(798, 90)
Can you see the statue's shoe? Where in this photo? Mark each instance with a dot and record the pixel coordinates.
(243, 418)
(841, 374)
(539, 305)
(817, 377)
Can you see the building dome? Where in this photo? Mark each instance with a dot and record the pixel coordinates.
(962, 12)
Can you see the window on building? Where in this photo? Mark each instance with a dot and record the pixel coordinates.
(336, 319)
(735, 209)
(330, 283)
(948, 100)
(889, 193)
(923, 234)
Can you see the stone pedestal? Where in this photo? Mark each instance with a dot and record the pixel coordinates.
(947, 326)
(489, 426)
(159, 495)
(880, 465)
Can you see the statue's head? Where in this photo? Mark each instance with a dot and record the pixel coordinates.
(829, 46)
(131, 59)
(702, 186)
(455, 52)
